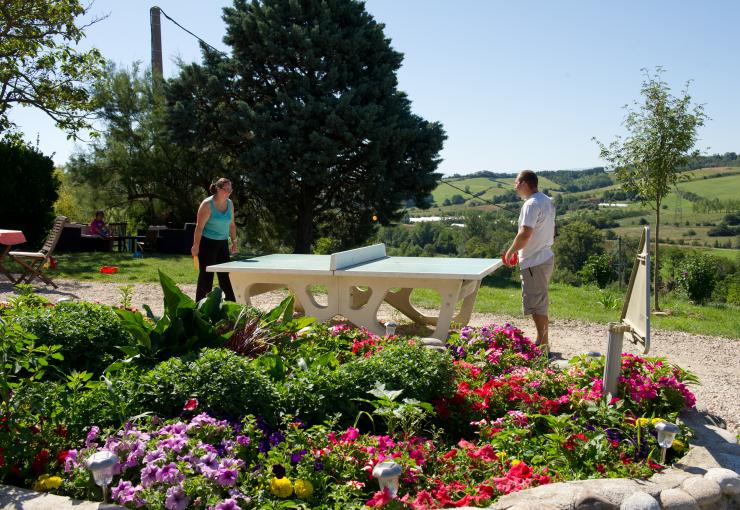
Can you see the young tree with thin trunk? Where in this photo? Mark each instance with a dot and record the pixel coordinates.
(40, 66)
(662, 135)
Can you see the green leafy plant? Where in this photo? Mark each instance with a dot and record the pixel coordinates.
(608, 300)
(88, 333)
(21, 360)
(127, 292)
(405, 416)
(185, 326)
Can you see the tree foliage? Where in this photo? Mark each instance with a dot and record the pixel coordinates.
(28, 192)
(309, 112)
(39, 66)
(662, 135)
(575, 243)
(134, 165)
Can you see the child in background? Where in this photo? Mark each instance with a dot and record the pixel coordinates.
(98, 226)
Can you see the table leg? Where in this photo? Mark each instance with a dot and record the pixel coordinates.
(3, 270)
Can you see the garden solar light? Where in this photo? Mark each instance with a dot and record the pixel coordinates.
(666, 434)
(101, 466)
(390, 328)
(387, 474)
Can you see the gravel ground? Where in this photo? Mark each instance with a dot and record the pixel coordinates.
(715, 360)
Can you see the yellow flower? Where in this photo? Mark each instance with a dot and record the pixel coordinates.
(46, 483)
(281, 487)
(53, 482)
(303, 489)
(501, 456)
(515, 462)
(678, 445)
(655, 421)
(642, 422)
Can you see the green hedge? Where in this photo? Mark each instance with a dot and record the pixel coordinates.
(421, 373)
(89, 333)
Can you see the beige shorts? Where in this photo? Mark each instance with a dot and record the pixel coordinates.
(535, 281)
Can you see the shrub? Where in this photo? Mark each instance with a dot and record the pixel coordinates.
(698, 277)
(224, 384)
(420, 373)
(598, 269)
(89, 334)
(575, 243)
(25, 168)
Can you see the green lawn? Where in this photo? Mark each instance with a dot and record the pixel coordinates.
(581, 303)
(584, 303)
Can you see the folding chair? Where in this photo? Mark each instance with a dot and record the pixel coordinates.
(33, 262)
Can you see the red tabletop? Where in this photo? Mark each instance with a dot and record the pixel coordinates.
(9, 237)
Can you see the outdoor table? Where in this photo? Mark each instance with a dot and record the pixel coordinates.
(358, 281)
(8, 238)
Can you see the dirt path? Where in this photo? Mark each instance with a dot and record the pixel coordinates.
(715, 360)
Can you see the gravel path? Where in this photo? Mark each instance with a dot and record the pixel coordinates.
(715, 360)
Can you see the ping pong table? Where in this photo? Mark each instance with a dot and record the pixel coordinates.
(358, 281)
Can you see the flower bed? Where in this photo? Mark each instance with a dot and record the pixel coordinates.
(486, 418)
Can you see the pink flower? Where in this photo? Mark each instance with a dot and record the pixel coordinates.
(380, 498)
(191, 404)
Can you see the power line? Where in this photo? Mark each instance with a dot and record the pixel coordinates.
(479, 198)
(188, 31)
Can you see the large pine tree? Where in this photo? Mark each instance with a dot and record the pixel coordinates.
(308, 110)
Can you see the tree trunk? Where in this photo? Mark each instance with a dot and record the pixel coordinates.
(656, 272)
(304, 226)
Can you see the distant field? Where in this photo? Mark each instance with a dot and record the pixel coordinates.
(489, 187)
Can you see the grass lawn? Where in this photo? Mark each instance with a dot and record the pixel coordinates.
(585, 304)
(566, 302)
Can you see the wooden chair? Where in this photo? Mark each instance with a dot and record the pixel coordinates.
(33, 262)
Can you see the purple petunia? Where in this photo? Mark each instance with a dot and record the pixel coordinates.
(149, 475)
(92, 435)
(176, 499)
(227, 504)
(296, 457)
(226, 477)
(170, 474)
(124, 492)
(243, 440)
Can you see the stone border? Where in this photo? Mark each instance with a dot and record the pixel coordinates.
(705, 478)
(15, 498)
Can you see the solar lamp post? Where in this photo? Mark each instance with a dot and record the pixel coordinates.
(387, 474)
(101, 466)
(667, 433)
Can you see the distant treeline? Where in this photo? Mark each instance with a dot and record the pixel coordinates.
(726, 159)
(568, 180)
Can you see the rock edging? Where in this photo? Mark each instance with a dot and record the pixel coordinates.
(705, 478)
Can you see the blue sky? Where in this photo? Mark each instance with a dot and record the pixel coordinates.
(516, 84)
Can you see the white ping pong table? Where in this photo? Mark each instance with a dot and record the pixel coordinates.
(358, 281)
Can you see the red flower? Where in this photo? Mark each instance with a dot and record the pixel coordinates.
(654, 466)
(62, 456)
(600, 468)
(380, 498)
(450, 454)
(521, 470)
(191, 404)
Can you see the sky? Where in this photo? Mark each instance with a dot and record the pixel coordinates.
(516, 85)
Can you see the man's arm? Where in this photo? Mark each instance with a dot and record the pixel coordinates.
(520, 241)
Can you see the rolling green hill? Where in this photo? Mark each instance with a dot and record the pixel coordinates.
(683, 221)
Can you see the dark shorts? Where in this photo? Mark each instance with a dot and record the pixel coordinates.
(535, 281)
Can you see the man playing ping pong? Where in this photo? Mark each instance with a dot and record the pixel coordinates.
(531, 248)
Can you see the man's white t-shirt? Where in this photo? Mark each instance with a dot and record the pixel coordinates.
(538, 212)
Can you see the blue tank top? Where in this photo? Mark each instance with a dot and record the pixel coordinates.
(217, 226)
